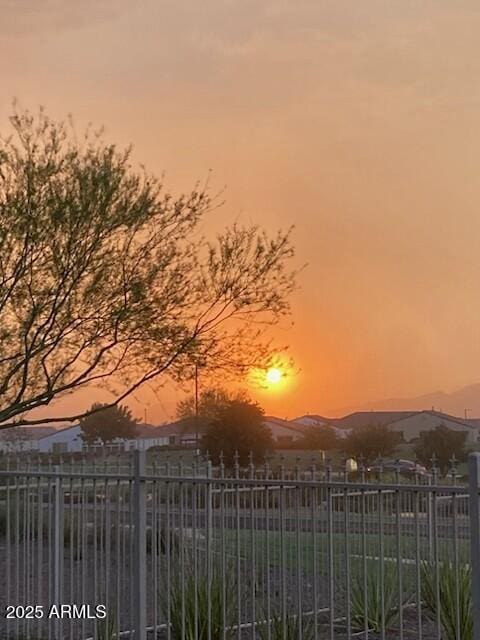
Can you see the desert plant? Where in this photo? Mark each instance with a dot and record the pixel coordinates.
(106, 629)
(367, 594)
(3, 520)
(449, 585)
(288, 627)
(197, 603)
(160, 542)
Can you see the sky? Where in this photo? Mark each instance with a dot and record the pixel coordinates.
(358, 122)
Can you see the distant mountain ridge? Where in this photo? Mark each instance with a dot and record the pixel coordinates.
(464, 401)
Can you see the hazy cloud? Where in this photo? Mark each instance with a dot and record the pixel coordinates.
(32, 17)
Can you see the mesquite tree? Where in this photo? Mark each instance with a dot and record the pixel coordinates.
(107, 280)
(107, 424)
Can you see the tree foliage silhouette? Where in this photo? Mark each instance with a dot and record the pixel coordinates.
(370, 442)
(105, 424)
(106, 280)
(442, 445)
(321, 438)
(211, 400)
(237, 429)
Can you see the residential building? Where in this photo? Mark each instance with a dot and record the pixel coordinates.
(360, 419)
(412, 426)
(61, 441)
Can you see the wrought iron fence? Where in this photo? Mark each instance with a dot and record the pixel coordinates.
(136, 550)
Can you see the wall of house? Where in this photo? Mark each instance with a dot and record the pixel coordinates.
(413, 426)
(19, 446)
(283, 433)
(65, 440)
(143, 444)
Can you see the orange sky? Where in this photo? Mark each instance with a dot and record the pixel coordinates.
(357, 121)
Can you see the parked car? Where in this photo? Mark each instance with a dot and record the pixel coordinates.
(404, 467)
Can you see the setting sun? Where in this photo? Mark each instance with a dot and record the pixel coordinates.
(273, 375)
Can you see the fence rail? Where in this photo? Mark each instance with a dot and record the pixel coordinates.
(195, 552)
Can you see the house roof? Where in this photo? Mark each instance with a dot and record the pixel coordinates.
(312, 417)
(54, 433)
(33, 433)
(182, 427)
(441, 416)
(188, 426)
(321, 423)
(367, 418)
(286, 424)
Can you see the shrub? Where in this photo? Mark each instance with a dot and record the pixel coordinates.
(447, 590)
(106, 629)
(369, 601)
(3, 520)
(182, 603)
(160, 542)
(291, 627)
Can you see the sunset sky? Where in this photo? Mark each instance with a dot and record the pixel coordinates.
(356, 120)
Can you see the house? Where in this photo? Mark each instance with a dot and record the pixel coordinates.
(183, 432)
(309, 421)
(412, 426)
(312, 420)
(70, 440)
(146, 438)
(360, 419)
(21, 439)
(283, 431)
(61, 441)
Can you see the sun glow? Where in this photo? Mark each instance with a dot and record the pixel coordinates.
(273, 378)
(273, 375)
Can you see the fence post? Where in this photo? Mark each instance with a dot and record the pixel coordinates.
(57, 525)
(209, 520)
(474, 486)
(140, 550)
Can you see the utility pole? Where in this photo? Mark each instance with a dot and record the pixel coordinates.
(196, 407)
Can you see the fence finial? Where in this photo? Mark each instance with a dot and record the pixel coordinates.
(236, 466)
(397, 468)
(453, 467)
(328, 463)
(250, 464)
(221, 464)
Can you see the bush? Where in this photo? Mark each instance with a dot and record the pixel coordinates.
(447, 588)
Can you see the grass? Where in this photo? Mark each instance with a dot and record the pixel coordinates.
(269, 544)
